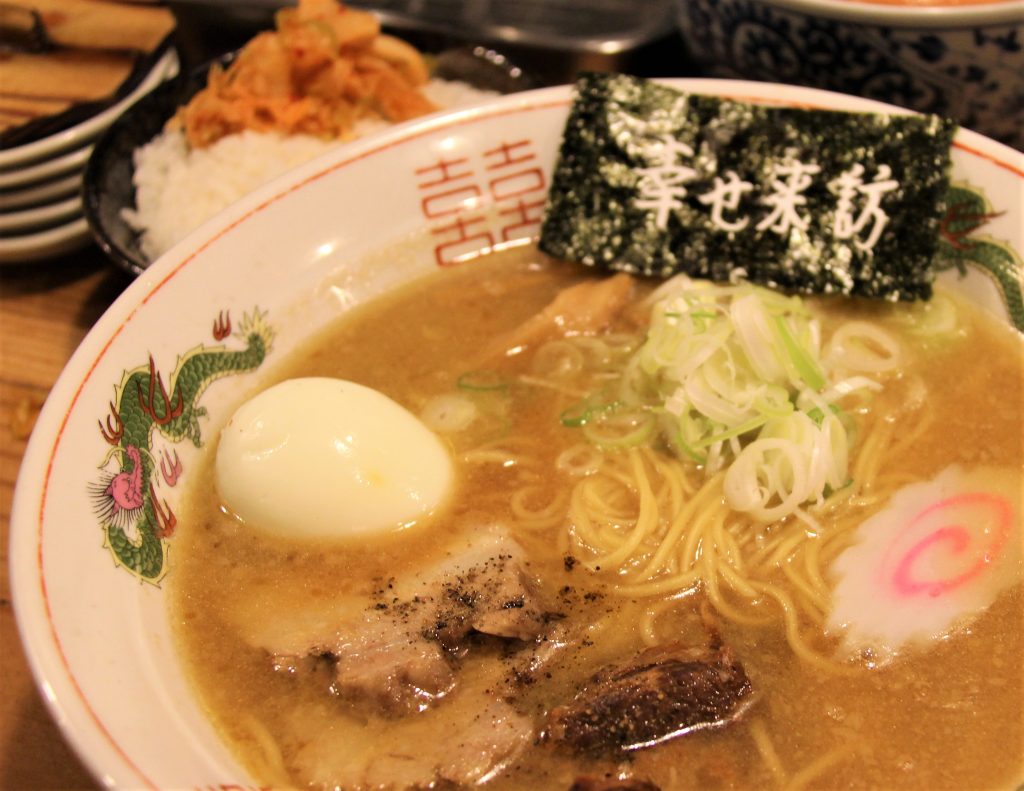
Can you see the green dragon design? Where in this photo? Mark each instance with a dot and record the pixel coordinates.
(136, 524)
(967, 209)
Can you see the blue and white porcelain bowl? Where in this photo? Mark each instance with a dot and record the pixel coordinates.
(962, 61)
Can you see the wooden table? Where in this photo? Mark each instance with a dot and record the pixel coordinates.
(46, 309)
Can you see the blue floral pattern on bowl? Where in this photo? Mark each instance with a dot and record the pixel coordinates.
(969, 73)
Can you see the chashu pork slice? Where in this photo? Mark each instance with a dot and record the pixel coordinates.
(663, 693)
(587, 307)
(467, 742)
(397, 650)
(483, 740)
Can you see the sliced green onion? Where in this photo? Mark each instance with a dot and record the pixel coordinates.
(621, 428)
(675, 439)
(482, 381)
(576, 415)
(735, 431)
(732, 378)
(449, 413)
(829, 491)
(818, 416)
(802, 361)
(774, 402)
(585, 411)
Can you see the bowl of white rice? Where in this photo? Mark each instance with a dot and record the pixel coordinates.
(145, 188)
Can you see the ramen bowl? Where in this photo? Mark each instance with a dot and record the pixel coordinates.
(241, 292)
(963, 61)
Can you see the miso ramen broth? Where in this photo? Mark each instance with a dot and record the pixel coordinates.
(940, 714)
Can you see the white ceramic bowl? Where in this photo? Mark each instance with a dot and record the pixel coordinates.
(302, 251)
(961, 61)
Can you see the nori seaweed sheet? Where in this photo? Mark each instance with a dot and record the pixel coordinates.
(592, 216)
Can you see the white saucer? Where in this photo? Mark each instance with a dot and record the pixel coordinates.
(44, 244)
(78, 135)
(31, 220)
(36, 194)
(47, 169)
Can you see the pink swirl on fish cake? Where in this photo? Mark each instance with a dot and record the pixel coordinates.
(956, 536)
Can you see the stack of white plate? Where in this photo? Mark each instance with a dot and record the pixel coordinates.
(41, 181)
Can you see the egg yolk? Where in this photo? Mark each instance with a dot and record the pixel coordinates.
(326, 458)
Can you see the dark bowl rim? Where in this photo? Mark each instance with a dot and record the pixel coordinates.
(174, 88)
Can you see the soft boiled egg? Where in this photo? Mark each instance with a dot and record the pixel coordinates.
(326, 458)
